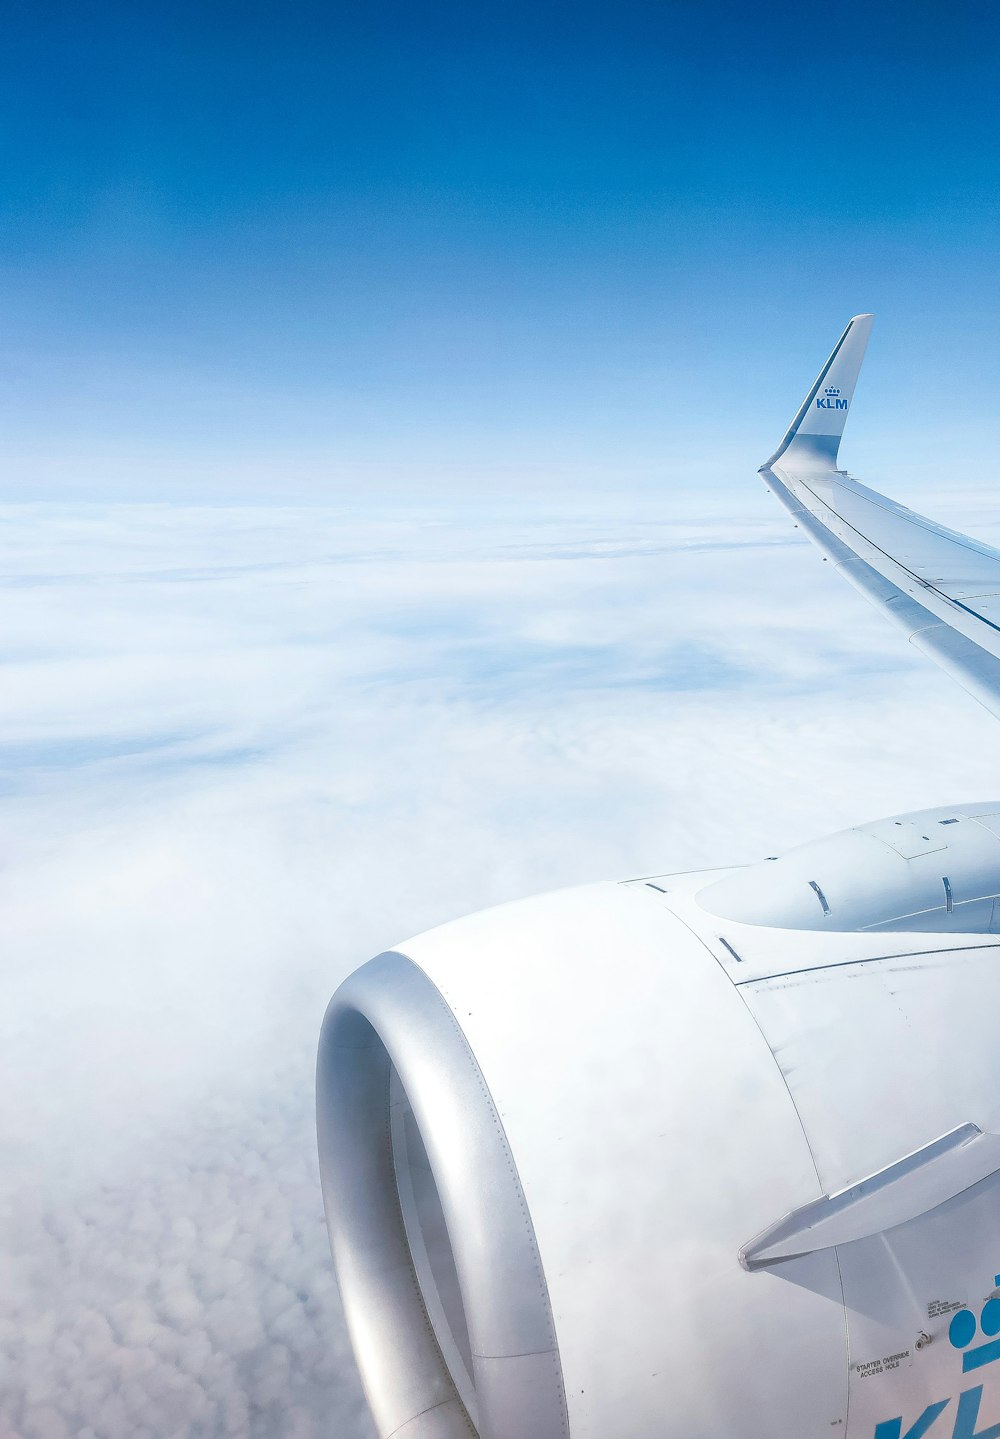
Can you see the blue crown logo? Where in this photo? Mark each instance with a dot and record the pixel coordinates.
(962, 1331)
(832, 392)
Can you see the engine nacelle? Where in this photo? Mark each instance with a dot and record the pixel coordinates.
(698, 1155)
(937, 870)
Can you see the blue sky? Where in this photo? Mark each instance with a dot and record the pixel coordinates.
(470, 324)
(299, 251)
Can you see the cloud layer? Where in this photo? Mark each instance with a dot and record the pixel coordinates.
(241, 751)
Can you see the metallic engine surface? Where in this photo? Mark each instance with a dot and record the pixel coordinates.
(389, 1017)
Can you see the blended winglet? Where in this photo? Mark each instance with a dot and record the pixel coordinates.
(813, 438)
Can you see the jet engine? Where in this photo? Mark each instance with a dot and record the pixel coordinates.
(700, 1155)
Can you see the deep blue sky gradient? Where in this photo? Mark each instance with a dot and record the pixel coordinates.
(307, 251)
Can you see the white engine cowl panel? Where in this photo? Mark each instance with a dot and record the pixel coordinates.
(938, 870)
(568, 1145)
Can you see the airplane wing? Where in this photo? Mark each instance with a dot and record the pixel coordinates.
(941, 587)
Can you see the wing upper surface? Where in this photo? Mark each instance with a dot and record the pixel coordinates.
(941, 587)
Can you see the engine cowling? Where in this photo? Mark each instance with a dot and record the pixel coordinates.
(655, 1157)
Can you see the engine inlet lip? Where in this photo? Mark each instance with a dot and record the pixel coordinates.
(389, 1016)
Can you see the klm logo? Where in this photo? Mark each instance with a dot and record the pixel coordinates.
(966, 1419)
(961, 1332)
(830, 400)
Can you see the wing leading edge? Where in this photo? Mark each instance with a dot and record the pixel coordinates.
(941, 587)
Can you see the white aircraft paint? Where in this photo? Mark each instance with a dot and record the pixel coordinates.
(714, 1153)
